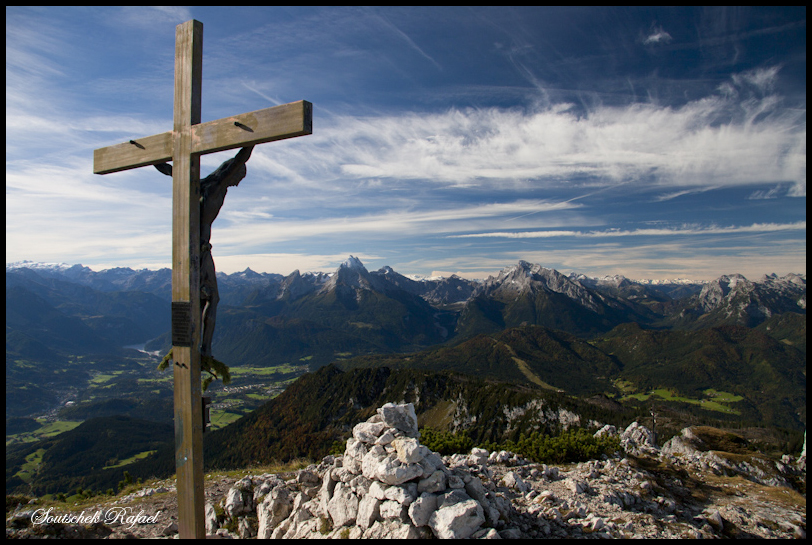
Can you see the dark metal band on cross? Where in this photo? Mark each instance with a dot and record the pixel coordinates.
(188, 140)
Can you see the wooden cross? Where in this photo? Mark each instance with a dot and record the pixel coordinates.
(188, 140)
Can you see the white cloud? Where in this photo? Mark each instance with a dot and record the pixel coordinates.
(763, 79)
(773, 193)
(656, 36)
(660, 260)
(711, 142)
(408, 40)
(240, 234)
(149, 17)
(712, 230)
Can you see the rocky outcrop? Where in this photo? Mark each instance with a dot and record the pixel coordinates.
(638, 440)
(388, 485)
(688, 450)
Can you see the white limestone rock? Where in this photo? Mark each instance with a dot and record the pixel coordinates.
(404, 494)
(370, 461)
(343, 506)
(475, 489)
(436, 482)
(478, 456)
(377, 490)
(422, 508)
(368, 432)
(211, 519)
(637, 439)
(408, 450)
(392, 510)
(392, 471)
(686, 445)
(401, 417)
(239, 499)
(275, 508)
(368, 512)
(513, 480)
(353, 454)
(386, 438)
(392, 529)
(608, 430)
(457, 521)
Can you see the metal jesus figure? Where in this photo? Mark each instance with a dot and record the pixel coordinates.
(213, 190)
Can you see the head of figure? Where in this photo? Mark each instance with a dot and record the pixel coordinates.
(235, 179)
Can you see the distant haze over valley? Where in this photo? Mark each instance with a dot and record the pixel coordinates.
(435, 275)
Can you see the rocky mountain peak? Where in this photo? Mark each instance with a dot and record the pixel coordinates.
(353, 263)
(352, 274)
(739, 297)
(294, 286)
(528, 277)
(248, 273)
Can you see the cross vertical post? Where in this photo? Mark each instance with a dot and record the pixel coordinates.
(183, 145)
(186, 281)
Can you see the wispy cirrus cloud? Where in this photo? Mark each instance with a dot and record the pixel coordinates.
(719, 140)
(683, 231)
(388, 24)
(240, 231)
(772, 193)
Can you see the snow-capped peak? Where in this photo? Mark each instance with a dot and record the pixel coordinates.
(527, 277)
(353, 263)
(25, 264)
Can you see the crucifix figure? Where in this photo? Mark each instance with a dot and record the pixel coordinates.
(194, 288)
(213, 190)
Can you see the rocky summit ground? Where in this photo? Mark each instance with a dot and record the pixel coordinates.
(387, 484)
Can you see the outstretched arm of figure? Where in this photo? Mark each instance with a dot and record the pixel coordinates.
(243, 155)
(164, 168)
(240, 159)
(229, 167)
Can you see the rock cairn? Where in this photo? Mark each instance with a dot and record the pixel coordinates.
(385, 485)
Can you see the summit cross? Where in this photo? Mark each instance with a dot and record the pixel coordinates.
(183, 145)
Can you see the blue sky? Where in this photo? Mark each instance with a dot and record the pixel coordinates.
(649, 142)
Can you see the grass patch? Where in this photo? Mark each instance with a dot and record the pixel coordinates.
(31, 465)
(55, 428)
(101, 378)
(168, 378)
(438, 417)
(713, 404)
(220, 419)
(724, 397)
(284, 369)
(624, 386)
(131, 459)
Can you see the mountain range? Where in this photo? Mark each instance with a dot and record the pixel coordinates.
(56, 313)
(529, 330)
(267, 319)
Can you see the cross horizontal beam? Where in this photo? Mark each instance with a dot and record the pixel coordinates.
(267, 125)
